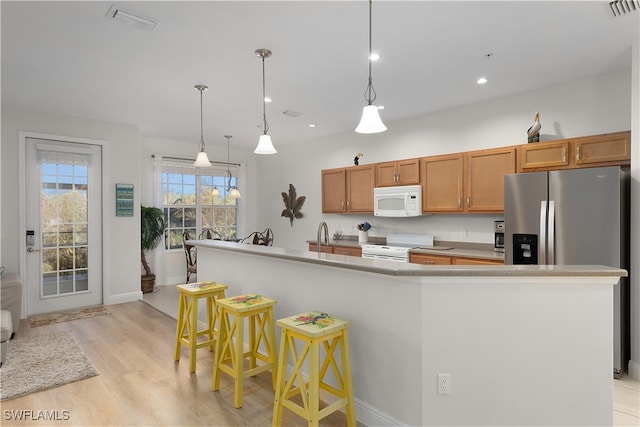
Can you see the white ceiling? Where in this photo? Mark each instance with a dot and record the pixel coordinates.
(67, 57)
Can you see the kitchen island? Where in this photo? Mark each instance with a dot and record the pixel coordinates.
(524, 345)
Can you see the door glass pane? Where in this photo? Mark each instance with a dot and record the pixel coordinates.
(65, 226)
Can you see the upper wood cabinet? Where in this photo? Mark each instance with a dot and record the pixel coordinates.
(470, 182)
(401, 172)
(334, 190)
(545, 155)
(603, 150)
(484, 180)
(607, 149)
(348, 190)
(442, 183)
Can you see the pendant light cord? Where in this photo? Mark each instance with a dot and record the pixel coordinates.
(228, 186)
(264, 107)
(370, 93)
(201, 127)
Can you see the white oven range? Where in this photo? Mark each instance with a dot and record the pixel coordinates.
(397, 247)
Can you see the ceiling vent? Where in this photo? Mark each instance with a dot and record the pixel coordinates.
(621, 7)
(291, 113)
(131, 18)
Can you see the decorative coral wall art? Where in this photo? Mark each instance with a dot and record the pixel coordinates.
(292, 204)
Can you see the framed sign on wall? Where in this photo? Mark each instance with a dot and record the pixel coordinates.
(124, 199)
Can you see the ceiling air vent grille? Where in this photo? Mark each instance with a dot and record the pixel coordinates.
(621, 7)
(131, 18)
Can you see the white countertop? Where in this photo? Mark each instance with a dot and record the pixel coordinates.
(409, 269)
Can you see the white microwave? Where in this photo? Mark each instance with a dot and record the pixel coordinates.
(401, 201)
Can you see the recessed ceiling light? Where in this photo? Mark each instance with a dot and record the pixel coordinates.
(374, 57)
(311, 125)
(267, 99)
(482, 80)
(380, 107)
(131, 18)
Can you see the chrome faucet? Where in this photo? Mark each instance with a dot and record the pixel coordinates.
(323, 225)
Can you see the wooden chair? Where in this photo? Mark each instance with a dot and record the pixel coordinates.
(209, 234)
(191, 255)
(264, 238)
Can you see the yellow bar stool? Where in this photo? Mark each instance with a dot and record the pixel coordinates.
(230, 353)
(187, 332)
(313, 329)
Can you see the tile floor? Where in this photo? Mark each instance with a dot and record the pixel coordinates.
(626, 391)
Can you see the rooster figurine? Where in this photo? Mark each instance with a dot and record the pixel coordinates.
(533, 132)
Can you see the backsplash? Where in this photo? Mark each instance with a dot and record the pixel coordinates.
(448, 228)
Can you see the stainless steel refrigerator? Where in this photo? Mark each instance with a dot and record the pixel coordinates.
(573, 217)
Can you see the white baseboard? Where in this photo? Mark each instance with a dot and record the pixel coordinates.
(121, 298)
(365, 413)
(372, 417)
(634, 370)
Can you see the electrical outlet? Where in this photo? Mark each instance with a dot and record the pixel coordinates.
(444, 383)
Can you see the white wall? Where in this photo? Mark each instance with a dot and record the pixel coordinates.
(121, 251)
(590, 106)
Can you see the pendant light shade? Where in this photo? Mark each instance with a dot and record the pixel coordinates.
(235, 194)
(233, 191)
(202, 161)
(265, 146)
(370, 121)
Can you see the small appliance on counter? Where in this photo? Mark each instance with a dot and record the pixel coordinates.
(498, 229)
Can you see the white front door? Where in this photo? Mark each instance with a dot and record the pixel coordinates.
(63, 225)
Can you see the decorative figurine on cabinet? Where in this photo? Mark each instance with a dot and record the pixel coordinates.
(356, 159)
(533, 133)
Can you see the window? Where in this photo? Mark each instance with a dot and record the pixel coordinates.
(190, 204)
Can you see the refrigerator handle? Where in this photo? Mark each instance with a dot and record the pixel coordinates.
(542, 254)
(552, 232)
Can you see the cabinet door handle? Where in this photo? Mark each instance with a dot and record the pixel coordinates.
(564, 155)
(347, 205)
(459, 202)
(342, 205)
(469, 201)
(578, 152)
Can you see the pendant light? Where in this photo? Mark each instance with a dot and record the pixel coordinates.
(265, 146)
(233, 191)
(370, 121)
(202, 161)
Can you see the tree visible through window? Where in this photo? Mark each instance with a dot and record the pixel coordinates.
(191, 205)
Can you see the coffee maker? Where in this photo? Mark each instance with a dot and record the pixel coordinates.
(498, 242)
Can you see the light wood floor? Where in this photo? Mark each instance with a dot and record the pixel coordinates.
(140, 384)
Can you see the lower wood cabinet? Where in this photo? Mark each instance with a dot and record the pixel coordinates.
(429, 259)
(347, 250)
(325, 248)
(475, 261)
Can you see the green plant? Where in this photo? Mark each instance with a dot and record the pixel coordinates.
(152, 231)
